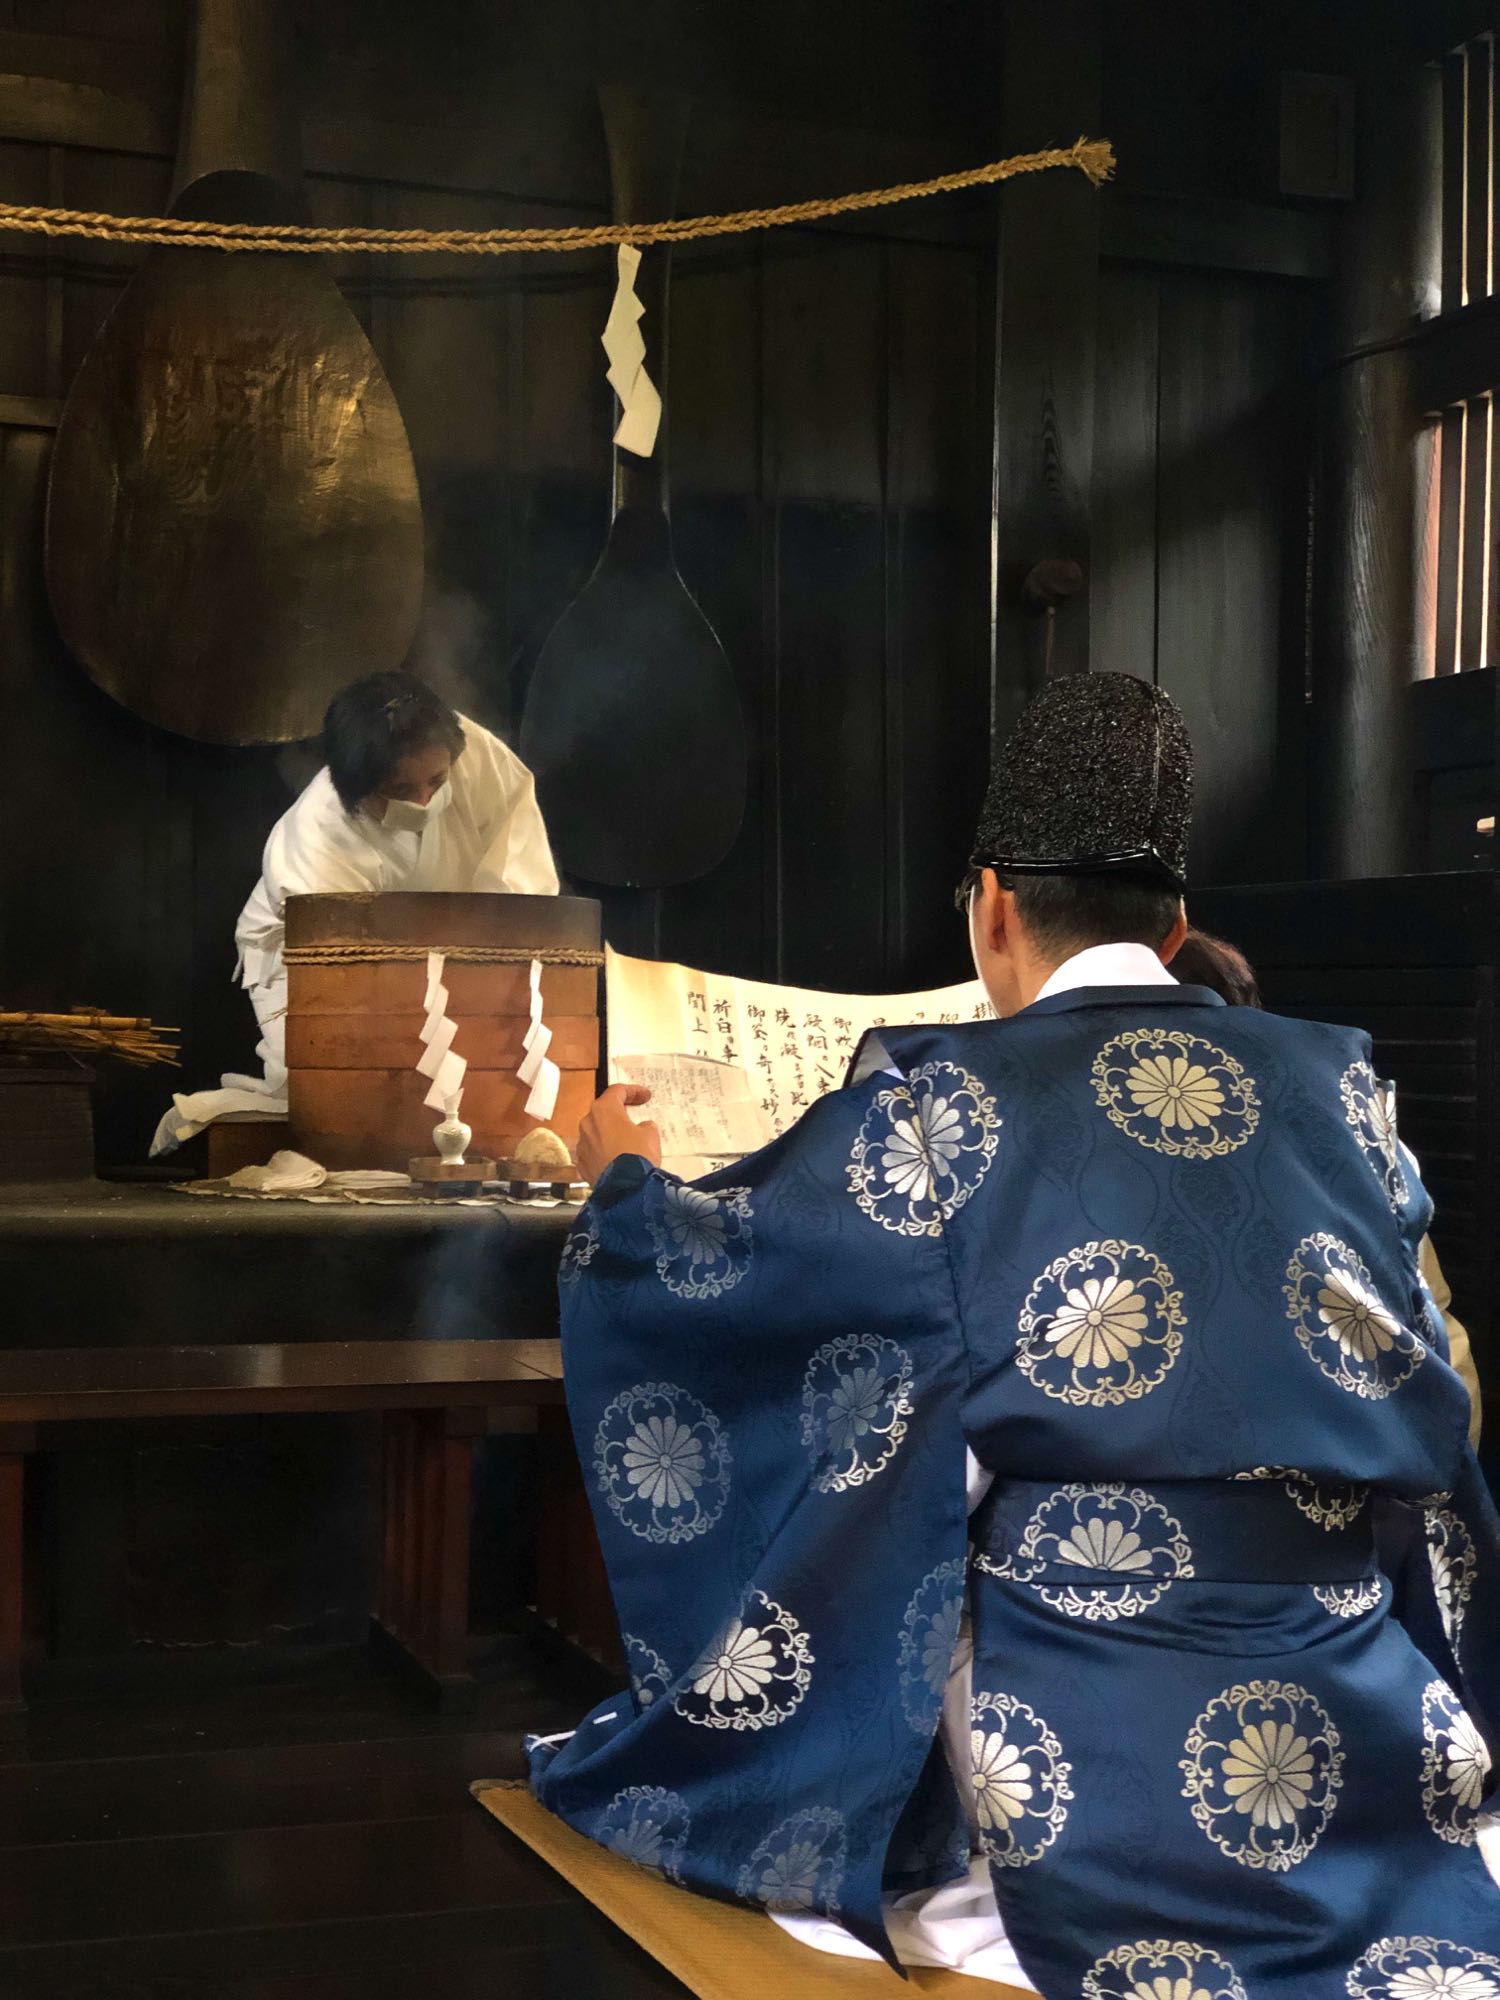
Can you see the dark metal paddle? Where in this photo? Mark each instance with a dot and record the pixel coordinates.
(233, 524)
(633, 723)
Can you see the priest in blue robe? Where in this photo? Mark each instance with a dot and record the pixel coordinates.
(1135, 1277)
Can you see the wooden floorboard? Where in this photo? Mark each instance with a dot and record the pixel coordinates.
(566, 1951)
(289, 1836)
(349, 1698)
(221, 1791)
(336, 1871)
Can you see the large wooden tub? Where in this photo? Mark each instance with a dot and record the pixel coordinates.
(356, 977)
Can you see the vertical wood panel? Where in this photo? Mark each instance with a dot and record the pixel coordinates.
(1122, 611)
(713, 418)
(23, 288)
(937, 745)
(1450, 539)
(1227, 362)
(100, 869)
(1047, 324)
(1478, 156)
(1474, 561)
(1455, 221)
(825, 419)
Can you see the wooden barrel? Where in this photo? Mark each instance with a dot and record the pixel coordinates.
(356, 981)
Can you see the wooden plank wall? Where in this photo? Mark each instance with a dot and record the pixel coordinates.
(1202, 456)
(828, 428)
(840, 506)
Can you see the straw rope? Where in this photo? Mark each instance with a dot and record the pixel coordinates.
(457, 954)
(1092, 157)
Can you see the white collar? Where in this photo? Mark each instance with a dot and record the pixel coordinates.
(1108, 965)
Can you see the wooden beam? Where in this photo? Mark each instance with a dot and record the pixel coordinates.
(1207, 234)
(1453, 721)
(32, 413)
(1047, 299)
(1458, 356)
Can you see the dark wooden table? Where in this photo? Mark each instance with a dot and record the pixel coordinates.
(126, 1301)
(434, 1396)
(104, 1264)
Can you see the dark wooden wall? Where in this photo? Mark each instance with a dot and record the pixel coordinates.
(1200, 523)
(828, 433)
(858, 486)
(875, 430)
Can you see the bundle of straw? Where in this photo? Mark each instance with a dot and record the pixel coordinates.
(85, 1031)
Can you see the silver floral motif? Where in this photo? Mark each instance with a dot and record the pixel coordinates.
(1341, 1322)
(650, 1676)
(703, 1241)
(662, 1462)
(1102, 1325)
(1021, 1780)
(753, 1674)
(929, 1636)
(1162, 1970)
(579, 1251)
(1100, 1530)
(800, 1864)
(1263, 1771)
(1176, 1093)
(1370, 1107)
(1349, 1600)
(924, 1147)
(1455, 1765)
(648, 1826)
(1453, 1560)
(856, 1398)
(1424, 1968)
(1331, 1507)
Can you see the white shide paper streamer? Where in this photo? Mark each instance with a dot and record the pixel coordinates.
(439, 1061)
(623, 342)
(538, 1072)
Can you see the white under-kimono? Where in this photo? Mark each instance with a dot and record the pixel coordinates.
(482, 831)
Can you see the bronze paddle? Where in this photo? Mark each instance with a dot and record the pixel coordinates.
(233, 524)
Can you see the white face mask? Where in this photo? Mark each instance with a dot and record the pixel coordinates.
(405, 816)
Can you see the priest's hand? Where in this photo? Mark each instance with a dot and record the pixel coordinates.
(609, 1131)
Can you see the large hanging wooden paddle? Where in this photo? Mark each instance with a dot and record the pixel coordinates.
(233, 524)
(633, 723)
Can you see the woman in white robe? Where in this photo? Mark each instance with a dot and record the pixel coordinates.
(412, 796)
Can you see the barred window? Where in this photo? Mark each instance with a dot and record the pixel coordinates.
(1461, 623)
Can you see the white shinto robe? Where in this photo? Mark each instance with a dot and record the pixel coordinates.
(488, 835)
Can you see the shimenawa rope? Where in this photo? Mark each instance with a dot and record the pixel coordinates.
(1092, 157)
(458, 954)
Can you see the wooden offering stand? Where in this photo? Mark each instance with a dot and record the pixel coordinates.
(430, 1175)
(537, 1180)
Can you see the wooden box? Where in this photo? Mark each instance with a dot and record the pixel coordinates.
(356, 982)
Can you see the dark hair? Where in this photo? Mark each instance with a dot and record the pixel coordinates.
(1208, 961)
(372, 724)
(1064, 914)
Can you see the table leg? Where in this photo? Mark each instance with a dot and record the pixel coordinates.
(423, 1618)
(16, 1440)
(573, 1594)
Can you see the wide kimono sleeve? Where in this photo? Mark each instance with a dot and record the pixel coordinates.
(764, 1373)
(517, 855)
(1442, 1554)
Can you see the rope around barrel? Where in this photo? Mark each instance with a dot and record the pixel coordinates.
(456, 954)
(1093, 157)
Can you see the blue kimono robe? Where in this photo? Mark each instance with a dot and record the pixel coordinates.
(1155, 1260)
